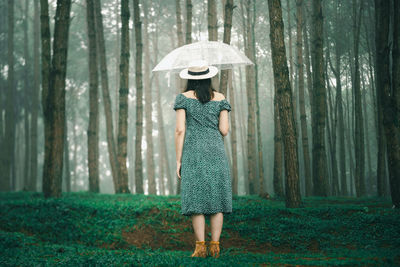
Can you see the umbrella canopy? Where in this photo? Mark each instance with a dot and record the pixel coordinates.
(218, 54)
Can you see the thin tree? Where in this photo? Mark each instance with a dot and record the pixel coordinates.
(300, 73)
(148, 107)
(234, 140)
(358, 130)
(212, 20)
(35, 99)
(227, 39)
(189, 7)
(336, 71)
(27, 98)
(53, 95)
(318, 106)
(139, 99)
(112, 150)
(284, 96)
(93, 127)
(9, 116)
(250, 89)
(389, 95)
(123, 101)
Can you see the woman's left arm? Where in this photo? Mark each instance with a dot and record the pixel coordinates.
(180, 130)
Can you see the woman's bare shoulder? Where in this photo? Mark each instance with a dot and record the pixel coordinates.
(219, 96)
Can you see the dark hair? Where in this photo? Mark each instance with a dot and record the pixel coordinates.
(203, 89)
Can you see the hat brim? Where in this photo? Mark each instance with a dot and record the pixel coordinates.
(185, 75)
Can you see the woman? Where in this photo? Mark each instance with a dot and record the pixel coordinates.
(202, 164)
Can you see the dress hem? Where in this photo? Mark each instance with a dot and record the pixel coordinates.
(205, 213)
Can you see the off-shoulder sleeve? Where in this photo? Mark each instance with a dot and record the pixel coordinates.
(224, 104)
(180, 102)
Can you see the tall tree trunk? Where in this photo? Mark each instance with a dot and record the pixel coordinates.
(35, 100)
(117, 63)
(368, 178)
(93, 127)
(3, 90)
(289, 29)
(123, 101)
(300, 73)
(339, 102)
(46, 59)
(308, 179)
(112, 150)
(232, 98)
(389, 97)
(27, 99)
(66, 159)
(179, 22)
(257, 106)
(189, 7)
(148, 108)
(359, 130)
(227, 38)
(160, 119)
(139, 99)
(212, 20)
(75, 152)
(318, 106)
(9, 116)
(54, 97)
(179, 81)
(284, 96)
(251, 128)
(395, 154)
(331, 131)
(278, 147)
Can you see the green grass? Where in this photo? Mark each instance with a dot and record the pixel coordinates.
(85, 229)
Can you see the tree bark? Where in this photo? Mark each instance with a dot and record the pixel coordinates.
(278, 147)
(123, 101)
(359, 129)
(54, 97)
(27, 100)
(318, 107)
(189, 7)
(251, 128)
(284, 96)
(112, 151)
(212, 21)
(93, 127)
(148, 108)
(35, 99)
(389, 96)
(234, 144)
(300, 73)
(9, 137)
(227, 39)
(139, 99)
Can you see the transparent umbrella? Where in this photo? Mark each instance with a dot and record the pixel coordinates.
(218, 54)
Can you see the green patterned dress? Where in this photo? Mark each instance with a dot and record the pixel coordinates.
(206, 186)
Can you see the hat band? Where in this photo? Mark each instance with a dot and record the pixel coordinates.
(198, 73)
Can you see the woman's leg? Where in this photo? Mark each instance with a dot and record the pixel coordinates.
(199, 225)
(216, 225)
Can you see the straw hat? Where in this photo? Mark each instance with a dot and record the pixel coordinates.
(198, 70)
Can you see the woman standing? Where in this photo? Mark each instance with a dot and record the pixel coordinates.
(202, 164)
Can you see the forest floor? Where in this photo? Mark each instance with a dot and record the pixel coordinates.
(86, 229)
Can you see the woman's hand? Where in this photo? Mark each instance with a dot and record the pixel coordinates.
(178, 169)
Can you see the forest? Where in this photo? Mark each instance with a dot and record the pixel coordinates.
(87, 130)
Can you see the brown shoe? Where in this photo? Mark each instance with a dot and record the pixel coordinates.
(214, 249)
(200, 250)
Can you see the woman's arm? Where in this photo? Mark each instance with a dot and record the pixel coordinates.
(180, 130)
(223, 122)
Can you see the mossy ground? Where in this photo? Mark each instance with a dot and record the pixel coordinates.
(85, 229)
